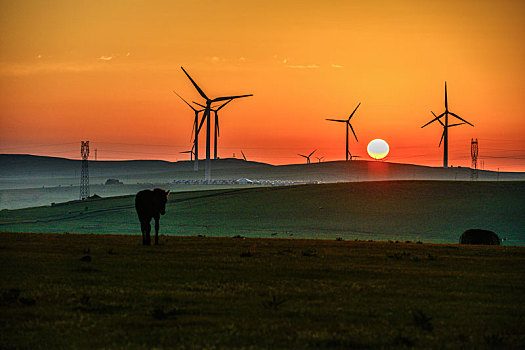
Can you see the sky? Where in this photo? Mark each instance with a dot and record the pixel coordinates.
(105, 71)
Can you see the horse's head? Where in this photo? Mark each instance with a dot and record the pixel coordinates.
(161, 198)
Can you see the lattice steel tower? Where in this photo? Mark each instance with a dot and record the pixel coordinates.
(474, 154)
(84, 173)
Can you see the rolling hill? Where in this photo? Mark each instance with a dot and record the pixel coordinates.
(27, 171)
(428, 211)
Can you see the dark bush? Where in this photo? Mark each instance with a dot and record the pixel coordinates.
(478, 236)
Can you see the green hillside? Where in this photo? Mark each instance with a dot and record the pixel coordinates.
(429, 211)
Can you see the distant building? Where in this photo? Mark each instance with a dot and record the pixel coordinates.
(113, 182)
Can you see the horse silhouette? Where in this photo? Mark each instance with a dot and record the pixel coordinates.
(150, 204)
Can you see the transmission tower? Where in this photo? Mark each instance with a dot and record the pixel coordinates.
(84, 173)
(474, 154)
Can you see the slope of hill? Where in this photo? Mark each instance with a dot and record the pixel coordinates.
(27, 181)
(430, 211)
(25, 171)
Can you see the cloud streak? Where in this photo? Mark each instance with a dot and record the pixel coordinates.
(309, 66)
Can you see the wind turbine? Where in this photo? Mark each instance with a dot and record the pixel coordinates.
(206, 116)
(243, 155)
(196, 140)
(216, 134)
(319, 159)
(308, 156)
(191, 152)
(446, 125)
(348, 126)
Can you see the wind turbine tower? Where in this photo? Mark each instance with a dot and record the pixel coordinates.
(446, 125)
(206, 116)
(191, 152)
(348, 126)
(216, 129)
(195, 148)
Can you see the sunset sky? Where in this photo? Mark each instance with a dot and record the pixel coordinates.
(104, 71)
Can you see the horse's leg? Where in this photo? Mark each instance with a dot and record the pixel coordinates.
(143, 229)
(157, 230)
(148, 231)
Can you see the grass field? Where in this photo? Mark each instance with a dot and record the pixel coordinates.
(427, 211)
(202, 292)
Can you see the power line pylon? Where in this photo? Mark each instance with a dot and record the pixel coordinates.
(84, 173)
(474, 154)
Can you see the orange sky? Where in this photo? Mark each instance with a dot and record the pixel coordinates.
(104, 71)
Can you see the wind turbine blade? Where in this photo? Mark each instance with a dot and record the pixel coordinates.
(302, 155)
(224, 104)
(463, 120)
(184, 100)
(196, 86)
(439, 120)
(243, 155)
(351, 115)
(442, 136)
(433, 120)
(217, 123)
(202, 122)
(198, 104)
(456, 124)
(350, 125)
(312, 153)
(229, 98)
(337, 120)
(446, 102)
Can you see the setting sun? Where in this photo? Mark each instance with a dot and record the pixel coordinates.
(378, 149)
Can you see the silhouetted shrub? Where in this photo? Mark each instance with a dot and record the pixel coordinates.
(310, 252)
(421, 320)
(478, 236)
(159, 313)
(27, 301)
(494, 340)
(401, 340)
(274, 303)
(10, 295)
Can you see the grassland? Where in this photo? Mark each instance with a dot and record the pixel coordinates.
(202, 292)
(427, 211)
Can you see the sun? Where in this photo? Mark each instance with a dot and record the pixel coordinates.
(378, 149)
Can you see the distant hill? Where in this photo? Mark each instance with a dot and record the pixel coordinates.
(25, 171)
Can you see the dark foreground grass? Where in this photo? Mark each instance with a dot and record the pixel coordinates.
(103, 291)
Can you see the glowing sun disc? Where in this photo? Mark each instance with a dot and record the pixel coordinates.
(378, 149)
